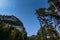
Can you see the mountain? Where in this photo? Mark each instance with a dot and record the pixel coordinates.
(12, 21)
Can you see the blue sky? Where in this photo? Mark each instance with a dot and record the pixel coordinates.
(25, 11)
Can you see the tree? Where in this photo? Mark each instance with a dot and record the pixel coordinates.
(47, 32)
(49, 18)
(11, 33)
(33, 37)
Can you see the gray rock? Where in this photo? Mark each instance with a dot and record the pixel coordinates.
(12, 21)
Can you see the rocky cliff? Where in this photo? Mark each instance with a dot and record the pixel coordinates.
(12, 21)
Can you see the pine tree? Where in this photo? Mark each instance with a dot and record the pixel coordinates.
(47, 32)
(45, 17)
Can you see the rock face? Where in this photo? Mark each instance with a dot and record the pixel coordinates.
(12, 21)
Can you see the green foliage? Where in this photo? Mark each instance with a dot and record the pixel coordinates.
(41, 34)
(41, 10)
(11, 33)
(51, 7)
(33, 37)
(47, 30)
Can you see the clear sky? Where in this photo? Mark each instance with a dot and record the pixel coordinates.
(25, 11)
